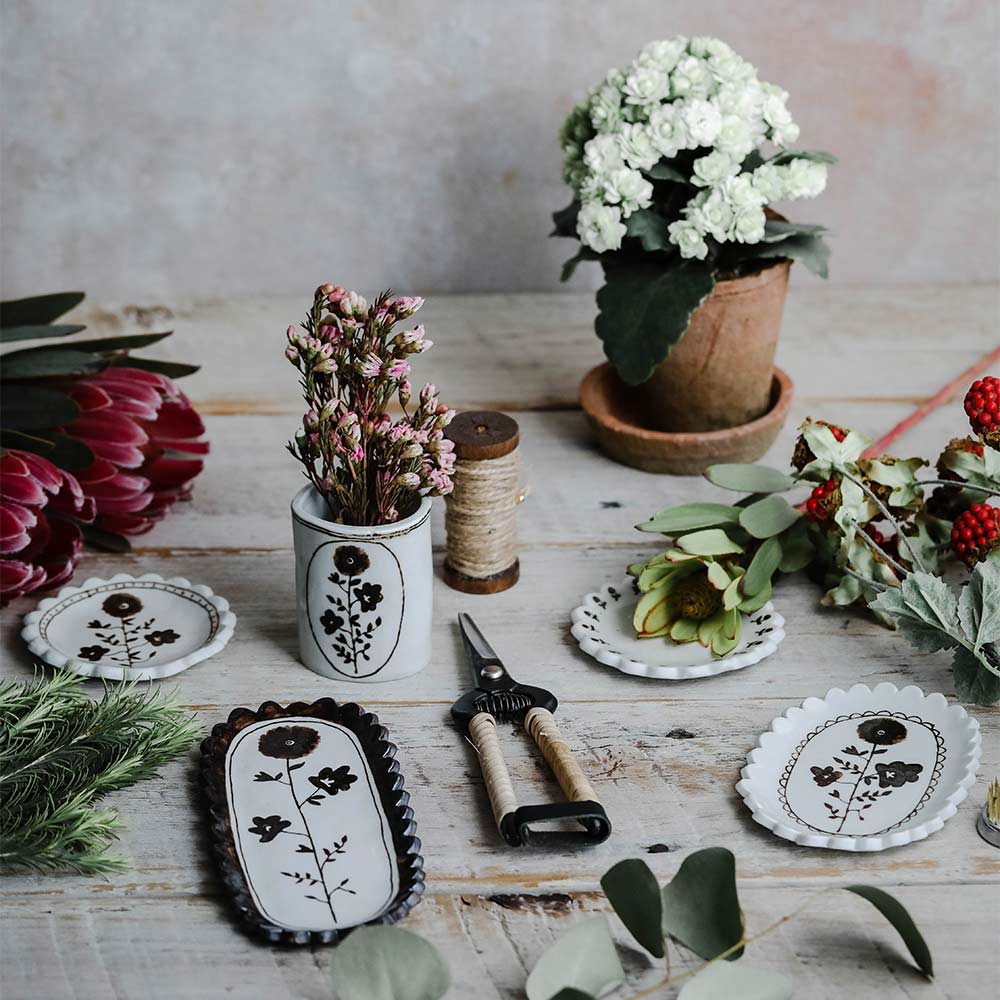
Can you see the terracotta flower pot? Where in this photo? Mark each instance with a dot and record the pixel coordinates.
(719, 374)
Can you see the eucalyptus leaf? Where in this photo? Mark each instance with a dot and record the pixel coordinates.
(709, 542)
(645, 309)
(34, 407)
(584, 958)
(762, 567)
(701, 909)
(894, 911)
(663, 171)
(102, 345)
(32, 363)
(650, 228)
(690, 517)
(387, 963)
(38, 310)
(9, 334)
(172, 369)
(749, 478)
(768, 517)
(722, 981)
(633, 891)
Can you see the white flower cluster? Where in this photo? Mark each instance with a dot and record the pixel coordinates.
(683, 94)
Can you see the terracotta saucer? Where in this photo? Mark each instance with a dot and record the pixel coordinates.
(612, 412)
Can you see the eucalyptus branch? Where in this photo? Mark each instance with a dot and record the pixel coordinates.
(960, 484)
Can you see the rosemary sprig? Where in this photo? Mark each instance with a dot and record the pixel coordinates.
(61, 751)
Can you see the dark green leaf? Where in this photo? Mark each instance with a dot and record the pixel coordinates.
(690, 517)
(776, 230)
(565, 220)
(812, 250)
(973, 682)
(584, 959)
(60, 450)
(815, 155)
(644, 311)
(571, 993)
(172, 369)
(11, 333)
(797, 549)
(749, 478)
(894, 911)
(387, 963)
(102, 345)
(32, 407)
(34, 363)
(752, 161)
(663, 171)
(649, 227)
(700, 907)
(583, 254)
(39, 309)
(634, 892)
(106, 541)
(762, 567)
(768, 517)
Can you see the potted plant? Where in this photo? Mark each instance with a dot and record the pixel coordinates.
(674, 162)
(361, 529)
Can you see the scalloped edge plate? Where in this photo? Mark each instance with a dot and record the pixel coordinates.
(761, 639)
(783, 741)
(45, 651)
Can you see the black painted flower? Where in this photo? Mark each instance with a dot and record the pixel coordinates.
(162, 637)
(288, 742)
(331, 622)
(92, 653)
(122, 605)
(268, 827)
(882, 732)
(824, 776)
(332, 781)
(897, 774)
(350, 560)
(369, 596)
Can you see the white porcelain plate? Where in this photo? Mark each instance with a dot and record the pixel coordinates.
(862, 770)
(602, 625)
(129, 628)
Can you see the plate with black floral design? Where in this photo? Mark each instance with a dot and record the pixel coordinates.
(129, 627)
(602, 625)
(864, 769)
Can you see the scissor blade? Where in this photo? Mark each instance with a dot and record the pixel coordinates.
(487, 667)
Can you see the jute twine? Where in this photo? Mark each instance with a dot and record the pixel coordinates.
(481, 515)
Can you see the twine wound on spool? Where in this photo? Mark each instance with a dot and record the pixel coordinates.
(481, 512)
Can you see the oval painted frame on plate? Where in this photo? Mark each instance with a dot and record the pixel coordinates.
(46, 652)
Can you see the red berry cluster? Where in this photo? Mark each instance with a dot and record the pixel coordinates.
(976, 533)
(982, 404)
(821, 502)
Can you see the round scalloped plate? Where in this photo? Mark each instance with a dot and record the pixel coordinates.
(128, 627)
(862, 770)
(602, 625)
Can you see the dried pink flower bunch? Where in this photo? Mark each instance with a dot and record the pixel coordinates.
(370, 468)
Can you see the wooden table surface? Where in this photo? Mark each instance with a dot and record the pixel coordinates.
(664, 756)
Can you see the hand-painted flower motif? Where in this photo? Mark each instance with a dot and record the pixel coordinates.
(331, 622)
(122, 605)
(897, 774)
(350, 560)
(92, 653)
(369, 596)
(288, 742)
(333, 781)
(162, 637)
(268, 827)
(824, 776)
(882, 732)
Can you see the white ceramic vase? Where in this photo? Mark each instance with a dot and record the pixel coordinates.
(363, 592)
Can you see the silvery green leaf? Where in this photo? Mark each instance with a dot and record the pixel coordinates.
(762, 567)
(829, 451)
(633, 891)
(979, 604)
(768, 517)
(722, 981)
(974, 680)
(690, 517)
(388, 963)
(855, 506)
(925, 612)
(710, 542)
(584, 958)
(900, 476)
(749, 478)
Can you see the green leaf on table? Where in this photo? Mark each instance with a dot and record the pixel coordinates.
(768, 517)
(650, 228)
(387, 963)
(776, 230)
(762, 567)
(721, 981)
(582, 255)
(9, 334)
(32, 363)
(584, 958)
(979, 604)
(645, 309)
(894, 911)
(38, 310)
(810, 248)
(814, 155)
(974, 681)
(663, 171)
(102, 345)
(33, 407)
(172, 369)
(66, 452)
(633, 891)
(797, 549)
(565, 219)
(748, 478)
(701, 909)
(690, 517)
(710, 542)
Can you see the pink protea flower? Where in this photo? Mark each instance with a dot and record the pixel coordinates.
(38, 551)
(137, 421)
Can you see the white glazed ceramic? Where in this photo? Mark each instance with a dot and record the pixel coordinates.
(129, 627)
(602, 625)
(363, 592)
(862, 770)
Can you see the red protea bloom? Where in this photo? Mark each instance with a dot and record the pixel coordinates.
(137, 421)
(38, 551)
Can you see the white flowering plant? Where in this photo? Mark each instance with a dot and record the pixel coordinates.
(673, 162)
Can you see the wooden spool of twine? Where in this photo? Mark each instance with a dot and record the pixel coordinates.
(481, 512)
